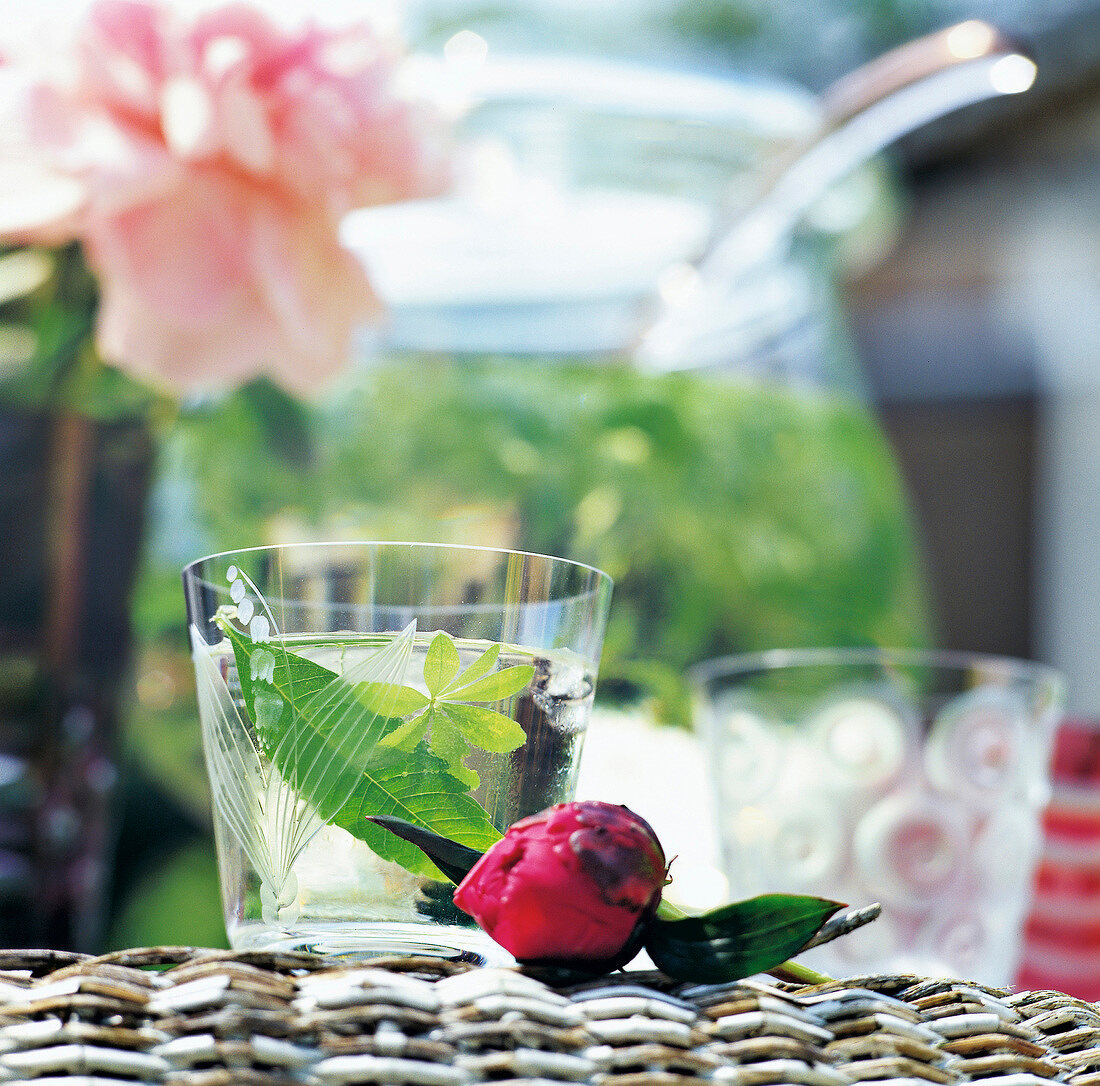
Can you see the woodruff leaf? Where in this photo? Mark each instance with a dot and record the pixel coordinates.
(409, 733)
(481, 666)
(441, 664)
(454, 720)
(484, 728)
(737, 940)
(496, 687)
(407, 701)
(448, 742)
(320, 729)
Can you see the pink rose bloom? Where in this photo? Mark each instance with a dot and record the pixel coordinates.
(204, 165)
(569, 884)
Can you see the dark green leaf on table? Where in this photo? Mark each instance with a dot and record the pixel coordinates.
(737, 940)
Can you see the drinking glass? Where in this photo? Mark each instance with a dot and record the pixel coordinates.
(448, 686)
(912, 778)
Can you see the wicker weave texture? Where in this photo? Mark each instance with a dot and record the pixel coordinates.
(203, 1018)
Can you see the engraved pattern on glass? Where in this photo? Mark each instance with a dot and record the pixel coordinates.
(274, 819)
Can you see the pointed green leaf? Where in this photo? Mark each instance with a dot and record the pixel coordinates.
(441, 663)
(454, 860)
(408, 699)
(290, 673)
(407, 735)
(485, 728)
(737, 940)
(398, 775)
(481, 666)
(323, 738)
(496, 687)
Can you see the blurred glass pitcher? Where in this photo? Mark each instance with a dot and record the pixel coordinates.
(684, 220)
(584, 190)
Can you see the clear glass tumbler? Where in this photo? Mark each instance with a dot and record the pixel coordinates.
(912, 778)
(448, 686)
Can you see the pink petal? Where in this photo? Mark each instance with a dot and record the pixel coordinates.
(266, 289)
(246, 134)
(187, 117)
(204, 164)
(317, 290)
(127, 54)
(180, 358)
(184, 254)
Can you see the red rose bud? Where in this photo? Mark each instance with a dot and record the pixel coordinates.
(568, 884)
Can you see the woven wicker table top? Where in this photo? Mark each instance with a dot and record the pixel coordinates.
(195, 1017)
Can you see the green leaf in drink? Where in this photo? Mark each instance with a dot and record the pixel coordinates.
(455, 717)
(354, 750)
(319, 729)
(417, 788)
(441, 664)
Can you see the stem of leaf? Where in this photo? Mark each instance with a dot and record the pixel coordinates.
(667, 911)
(798, 973)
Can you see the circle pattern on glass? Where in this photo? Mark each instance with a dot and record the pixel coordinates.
(911, 848)
(863, 739)
(977, 745)
(749, 752)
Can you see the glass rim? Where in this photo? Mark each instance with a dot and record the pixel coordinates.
(191, 568)
(734, 665)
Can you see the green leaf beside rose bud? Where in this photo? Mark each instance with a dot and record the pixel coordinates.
(737, 940)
